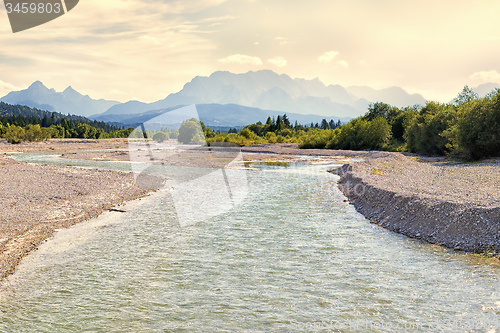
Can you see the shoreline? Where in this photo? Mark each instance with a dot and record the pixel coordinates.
(462, 215)
(456, 206)
(40, 199)
(37, 200)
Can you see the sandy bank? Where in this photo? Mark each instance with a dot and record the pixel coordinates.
(454, 205)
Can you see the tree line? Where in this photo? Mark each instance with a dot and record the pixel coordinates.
(21, 123)
(274, 130)
(468, 128)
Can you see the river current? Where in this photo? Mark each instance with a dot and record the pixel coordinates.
(292, 256)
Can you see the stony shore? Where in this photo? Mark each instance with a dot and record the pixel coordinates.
(37, 200)
(453, 204)
(456, 205)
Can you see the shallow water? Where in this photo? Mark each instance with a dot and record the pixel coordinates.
(293, 256)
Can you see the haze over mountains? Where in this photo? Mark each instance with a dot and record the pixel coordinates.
(217, 115)
(69, 101)
(269, 91)
(226, 98)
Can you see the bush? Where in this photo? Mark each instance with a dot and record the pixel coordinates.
(160, 136)
(191, 131)
(477, 132)
(361, 134)
(287, 133)
(174, 134)
(318, 139)
(428, 132)
(14, 134)
(247, 133)
(57, 131)
(270, 137)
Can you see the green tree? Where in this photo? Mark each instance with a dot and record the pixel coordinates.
(286, 121)
(378, 109)
(477, 131)
(191, 131)
(160, 136)
(427, 132)
(466, 95)
(14, 134)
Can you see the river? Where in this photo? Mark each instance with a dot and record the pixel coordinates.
(292, 256)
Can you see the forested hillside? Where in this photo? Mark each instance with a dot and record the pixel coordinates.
(19, 123)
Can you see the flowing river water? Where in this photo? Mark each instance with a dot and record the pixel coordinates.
(292, 256)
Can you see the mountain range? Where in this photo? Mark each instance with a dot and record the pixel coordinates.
(267, 90)
(217, 115)
(67, 102)
(230, 99)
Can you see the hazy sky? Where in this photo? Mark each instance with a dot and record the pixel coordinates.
(138, 49)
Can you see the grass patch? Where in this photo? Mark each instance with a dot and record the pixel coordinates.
(376, 171)
(488, 253)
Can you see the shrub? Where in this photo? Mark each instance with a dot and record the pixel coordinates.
(160, 136)
(428, 132)
(191, 132)
(318, 139)
(14, 134)
(270, 137)
(247, 133)
(477, 132)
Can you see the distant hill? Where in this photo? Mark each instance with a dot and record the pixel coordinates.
(395, 96)
(268, 90)
(485, 89)
(67, 102)
(219, 115)
(22, 115)
(9, 110)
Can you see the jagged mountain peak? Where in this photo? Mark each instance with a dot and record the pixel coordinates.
(38, 86)
(69, 89)
(70, 101)
(268, 90)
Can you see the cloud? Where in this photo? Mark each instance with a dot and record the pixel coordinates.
(116, 92)
(6, 88)
(328, 57)
(282, 40)
(343, 63)
(492, 75)
(150, 39)
(278, 61)
(241, 59)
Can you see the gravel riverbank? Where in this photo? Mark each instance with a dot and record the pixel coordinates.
(37, 200)
(456, 205)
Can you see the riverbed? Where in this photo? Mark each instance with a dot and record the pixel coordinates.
(292, 255)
